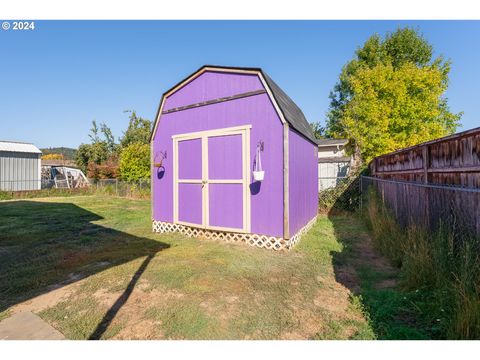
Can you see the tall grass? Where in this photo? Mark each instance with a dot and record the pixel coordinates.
(52, 192)
(125, 189)
(443, 264)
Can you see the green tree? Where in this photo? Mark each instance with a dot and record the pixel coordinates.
(391, 96)
(102, 147)
(318, 130)
(138, 131)
(135, 162)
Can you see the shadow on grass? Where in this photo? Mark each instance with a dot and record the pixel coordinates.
(112, 312)
(45, 246)
(373, 281)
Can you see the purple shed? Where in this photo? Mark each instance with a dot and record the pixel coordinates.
(233, 158)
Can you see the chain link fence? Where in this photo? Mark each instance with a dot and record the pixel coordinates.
(131, 189)
(455, 208)
(30, 185)
(18, 189)
(432, 233)
(343, 194)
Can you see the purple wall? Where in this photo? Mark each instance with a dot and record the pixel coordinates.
(303, 178)
(267, 197)
(212, 85)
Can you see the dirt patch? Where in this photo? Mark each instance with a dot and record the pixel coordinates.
(143, 330)
(130, 314)
(293, 336)
(56, 293)
(334, 300)
(47, 300)
(366, 255)
(347, 275)
(107, 298)
(231, 299)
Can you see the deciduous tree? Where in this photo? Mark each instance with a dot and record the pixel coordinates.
(100, 149)
(391, 95)
(318, 130)
(138, 131)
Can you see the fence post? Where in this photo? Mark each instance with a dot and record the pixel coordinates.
(116, 186)
(361, 193)
(425, 163)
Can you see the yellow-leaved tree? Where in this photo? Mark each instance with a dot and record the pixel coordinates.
(390, 96)
(53, 157)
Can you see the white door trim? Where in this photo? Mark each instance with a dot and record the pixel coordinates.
(244, 131)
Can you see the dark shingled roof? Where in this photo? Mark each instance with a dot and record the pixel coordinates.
(331, 142)
(334, 159)
(291, 112)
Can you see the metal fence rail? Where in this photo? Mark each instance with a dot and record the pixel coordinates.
(428, 205)
(122, 188)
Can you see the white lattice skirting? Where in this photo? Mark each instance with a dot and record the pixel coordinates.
(263, 241)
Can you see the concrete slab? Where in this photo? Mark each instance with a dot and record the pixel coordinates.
(27, 326)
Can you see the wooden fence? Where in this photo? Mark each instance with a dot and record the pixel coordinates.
(452, 160)
(429, 206)
(432, 183)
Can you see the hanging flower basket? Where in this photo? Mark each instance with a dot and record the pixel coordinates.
(258, 173)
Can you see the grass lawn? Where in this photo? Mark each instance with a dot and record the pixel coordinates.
(91, 267)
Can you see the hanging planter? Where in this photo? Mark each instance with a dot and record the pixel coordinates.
(258, 172)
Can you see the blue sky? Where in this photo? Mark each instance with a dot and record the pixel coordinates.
(59, 77)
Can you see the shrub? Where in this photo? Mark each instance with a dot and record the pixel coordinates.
(107, 170)
(135, 162)
(52, 157)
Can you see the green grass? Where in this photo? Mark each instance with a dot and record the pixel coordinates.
(137, 284)
(392, 312)
(439, 274)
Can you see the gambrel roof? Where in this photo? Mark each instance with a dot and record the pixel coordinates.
(290, 111)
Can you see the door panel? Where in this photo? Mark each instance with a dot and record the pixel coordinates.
(190, 203)
(189, 184)
(226, 181)
(225, 157)
(190, 159)
(226, 205)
